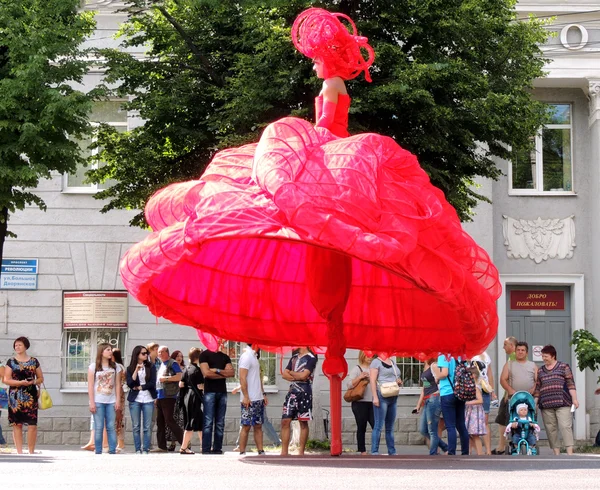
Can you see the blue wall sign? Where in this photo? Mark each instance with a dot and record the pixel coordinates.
(18, 274)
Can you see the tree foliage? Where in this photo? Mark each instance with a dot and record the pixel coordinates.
(451, 83)
(587, 350)
(40, 112)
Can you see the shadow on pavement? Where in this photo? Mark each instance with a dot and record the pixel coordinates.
(25, 458)
(444, 463)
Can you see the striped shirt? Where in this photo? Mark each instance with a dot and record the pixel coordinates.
(553, 385)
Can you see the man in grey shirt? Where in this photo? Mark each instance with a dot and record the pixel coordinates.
(520, 374)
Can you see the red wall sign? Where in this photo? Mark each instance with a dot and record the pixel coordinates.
(537, 300)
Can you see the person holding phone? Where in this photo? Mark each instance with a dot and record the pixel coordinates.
(23, 375)
(430, 407)
(141, 379)
(105, 392)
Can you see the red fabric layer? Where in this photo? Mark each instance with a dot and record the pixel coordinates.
(233, 253)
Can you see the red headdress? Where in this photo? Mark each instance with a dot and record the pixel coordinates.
(320, 34)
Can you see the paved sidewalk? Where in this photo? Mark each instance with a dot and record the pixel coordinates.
(68, 467)
(401, 450)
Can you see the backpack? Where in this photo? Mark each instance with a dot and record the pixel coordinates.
(464, 383)
(170, 389)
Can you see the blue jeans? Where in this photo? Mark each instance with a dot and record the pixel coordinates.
(105, 413)
(384, 413)
(136, 410)
(2, 440)
(454, 417)
(430, 419)
(215, 406)
(530, 438)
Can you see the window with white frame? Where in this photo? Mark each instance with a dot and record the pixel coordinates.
(80, 348)
(548, 167)
(268, 364)
(90, 318)
(410, 371)
(110, 112)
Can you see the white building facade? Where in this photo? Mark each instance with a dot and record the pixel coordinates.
(541, 230)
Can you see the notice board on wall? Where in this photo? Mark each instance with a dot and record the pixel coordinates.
(107, 309)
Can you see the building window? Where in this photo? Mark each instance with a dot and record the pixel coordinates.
(109, 112)
(548, 167)
(79, 351)
(410, 371)
(90, 318)
(268, 364)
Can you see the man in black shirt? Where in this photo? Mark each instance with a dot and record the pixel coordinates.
(216, 368)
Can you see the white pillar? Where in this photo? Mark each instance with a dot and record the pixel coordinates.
(594, 203)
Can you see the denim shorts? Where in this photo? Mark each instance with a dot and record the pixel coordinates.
(487, 398)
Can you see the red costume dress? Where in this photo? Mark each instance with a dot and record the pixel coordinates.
(316, 238)
(308, 238)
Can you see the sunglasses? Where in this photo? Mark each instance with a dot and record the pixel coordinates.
(144, 353)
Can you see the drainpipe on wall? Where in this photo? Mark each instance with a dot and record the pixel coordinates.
(4, 303)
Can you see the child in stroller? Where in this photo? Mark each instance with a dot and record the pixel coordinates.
(522, 424)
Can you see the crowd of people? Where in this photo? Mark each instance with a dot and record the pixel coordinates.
(181, 399)
(552, 387)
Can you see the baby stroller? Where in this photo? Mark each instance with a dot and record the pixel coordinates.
(526, 428)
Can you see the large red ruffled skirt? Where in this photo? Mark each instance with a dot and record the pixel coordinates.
(238, 253)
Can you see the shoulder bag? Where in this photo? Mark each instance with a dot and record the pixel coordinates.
(485, 386)
(391, 388)
(170, 389)
(45, 400)
(357, 392)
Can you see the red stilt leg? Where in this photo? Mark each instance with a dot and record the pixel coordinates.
(335, 398)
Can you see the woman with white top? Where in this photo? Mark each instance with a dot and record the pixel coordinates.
(363, 408)
(383, 370)
(141, 379)
(105, 392)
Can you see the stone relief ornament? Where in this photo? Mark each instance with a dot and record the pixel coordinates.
(539, 239)
(594, 91)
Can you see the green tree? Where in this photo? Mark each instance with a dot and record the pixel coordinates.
(40, 112)
(587, 350)
(451, 83)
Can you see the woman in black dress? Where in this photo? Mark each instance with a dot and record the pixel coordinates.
(192, 393)
(177, 356)
(23, 375)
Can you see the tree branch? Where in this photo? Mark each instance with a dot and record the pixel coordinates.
(3, 229)
(205, 64)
